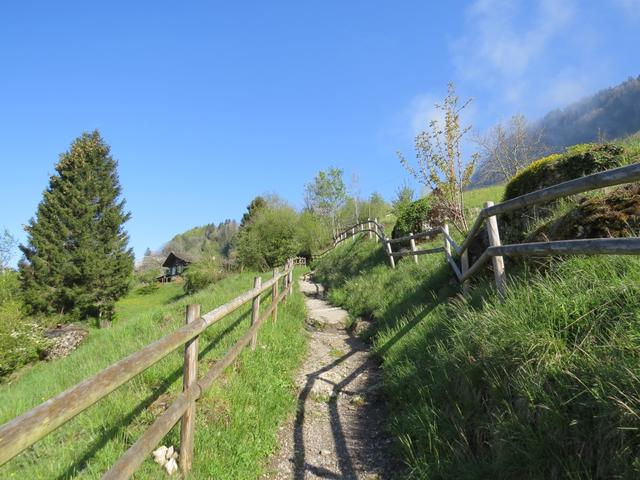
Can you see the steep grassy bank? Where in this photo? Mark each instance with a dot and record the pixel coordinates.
(237, 420)
(544, 384)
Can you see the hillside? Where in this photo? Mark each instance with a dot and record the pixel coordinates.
(542, 384)
(195, 241)
(208, 240)
(610, 114)
(235, 431)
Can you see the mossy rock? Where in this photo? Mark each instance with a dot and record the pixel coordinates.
(614, 215)
(577, 161)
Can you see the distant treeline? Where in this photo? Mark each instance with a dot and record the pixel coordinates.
(612, 113)
(207, 238)
(609, 114)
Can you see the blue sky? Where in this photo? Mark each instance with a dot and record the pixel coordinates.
(207, 104)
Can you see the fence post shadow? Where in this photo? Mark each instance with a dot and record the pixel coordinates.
(108, 434)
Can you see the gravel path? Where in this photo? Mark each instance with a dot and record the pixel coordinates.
(338, 429)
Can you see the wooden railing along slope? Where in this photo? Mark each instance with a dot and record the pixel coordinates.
(25, 430)
(496, 251)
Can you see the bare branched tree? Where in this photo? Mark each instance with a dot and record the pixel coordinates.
(326, 195)
(354, 190)
(440, 166)
(508, 149)
(7, 247)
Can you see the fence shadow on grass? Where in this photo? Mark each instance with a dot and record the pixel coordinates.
(108, 434)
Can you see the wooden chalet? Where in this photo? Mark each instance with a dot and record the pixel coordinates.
(174, 265)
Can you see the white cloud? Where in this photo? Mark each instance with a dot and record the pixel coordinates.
(631, 8)
(503, 38)
(422, 110)
(566, 89)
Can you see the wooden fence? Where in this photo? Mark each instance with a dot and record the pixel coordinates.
(496, 251)
(28, 428)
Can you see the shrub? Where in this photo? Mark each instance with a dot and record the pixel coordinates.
(21, 340)
(313, 233)
(270, 239)
(9, 286)
(412, 217)
(201, 274)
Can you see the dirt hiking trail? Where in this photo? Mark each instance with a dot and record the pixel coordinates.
(338, 431)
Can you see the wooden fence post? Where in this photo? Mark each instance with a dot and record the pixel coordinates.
(290, 282)
(369, 228)
(390, 252)
(274, 296)
(189, 377)
(285, 284)
(494, 241)
(413, 247)
(255, 313)
(447, 245)
(464, 266)
(376, 225)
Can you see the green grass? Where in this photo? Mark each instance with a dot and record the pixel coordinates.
(387, 222)
(138, 302)
(631, 145)
(237, 420)
(543, 384)
(474, 199)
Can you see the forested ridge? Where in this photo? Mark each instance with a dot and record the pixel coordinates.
(610, 114)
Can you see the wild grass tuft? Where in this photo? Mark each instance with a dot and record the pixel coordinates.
(237, 420)
(542, 384)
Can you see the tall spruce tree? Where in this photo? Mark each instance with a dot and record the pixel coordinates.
(76, 260)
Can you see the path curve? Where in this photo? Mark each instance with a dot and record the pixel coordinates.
(338, 431)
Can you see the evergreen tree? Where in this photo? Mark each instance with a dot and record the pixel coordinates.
(253, 208)
(76, 258)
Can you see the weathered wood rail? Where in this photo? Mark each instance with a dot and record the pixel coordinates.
(25, 430)
(496, 251)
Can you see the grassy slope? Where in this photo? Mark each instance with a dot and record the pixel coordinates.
(476, 198)
(237, 421)
(545, 384)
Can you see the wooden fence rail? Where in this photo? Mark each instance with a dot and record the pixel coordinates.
(496, 251)
(26, 429)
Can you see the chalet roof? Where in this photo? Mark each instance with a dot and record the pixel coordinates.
(174, 258)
